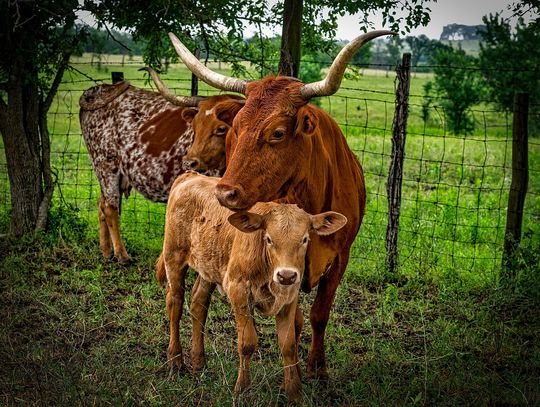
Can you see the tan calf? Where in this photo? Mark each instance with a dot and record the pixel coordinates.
(257, 258)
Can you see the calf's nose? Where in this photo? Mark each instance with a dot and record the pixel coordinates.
(287, 277)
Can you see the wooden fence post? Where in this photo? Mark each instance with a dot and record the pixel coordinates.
(395, 173)
(117, 77)
(520, 179)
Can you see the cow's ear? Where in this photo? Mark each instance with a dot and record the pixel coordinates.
(226, 111)
(328, 222)
(189, 113)
(247, 221)
(306, 122)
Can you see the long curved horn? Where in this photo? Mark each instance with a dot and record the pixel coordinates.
(330, 84)
(169, 95)
(212, 78)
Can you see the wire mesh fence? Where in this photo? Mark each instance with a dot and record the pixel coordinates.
(455, 187)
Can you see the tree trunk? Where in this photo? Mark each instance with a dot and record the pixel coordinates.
(291, 36)
(20, 132)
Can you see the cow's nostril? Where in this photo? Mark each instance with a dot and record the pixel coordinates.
(231, 195)
(191, 164)
(228, 196)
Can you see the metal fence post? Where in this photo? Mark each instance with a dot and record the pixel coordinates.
(520, 179)
(117, 77)
(395, 173)
(194, 79)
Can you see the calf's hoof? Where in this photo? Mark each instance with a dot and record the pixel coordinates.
(242, 383)
(124, 260)
(176, 364)
(292, 389)
(197, 362)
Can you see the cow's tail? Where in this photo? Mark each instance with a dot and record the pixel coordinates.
(161, 274)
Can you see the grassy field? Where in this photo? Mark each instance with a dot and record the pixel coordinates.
(442, 331)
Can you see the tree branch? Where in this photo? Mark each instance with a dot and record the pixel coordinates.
(56, 82)
(114, 39)
(72, 68)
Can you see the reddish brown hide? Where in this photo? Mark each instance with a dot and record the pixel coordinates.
(282, 148)
(137, 139)
(210, 126)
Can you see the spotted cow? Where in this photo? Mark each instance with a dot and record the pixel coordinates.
(137, 139)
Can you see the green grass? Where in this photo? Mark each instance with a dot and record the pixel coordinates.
(442, 331)
(77, 330)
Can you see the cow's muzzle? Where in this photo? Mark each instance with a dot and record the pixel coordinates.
(231, 197)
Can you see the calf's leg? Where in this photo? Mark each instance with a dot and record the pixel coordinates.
(201, 295)
(287, 339)
(176, 274)
(245, 328)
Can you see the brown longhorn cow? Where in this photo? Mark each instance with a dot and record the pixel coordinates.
(283, 148)
(137, 138)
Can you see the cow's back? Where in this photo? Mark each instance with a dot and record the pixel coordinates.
(139, 134)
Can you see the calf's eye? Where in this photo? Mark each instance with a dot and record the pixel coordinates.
(268, 240)
(305, 240)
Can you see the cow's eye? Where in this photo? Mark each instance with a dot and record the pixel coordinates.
(277, 136)
(221, 130)
(305, 240)
(268, 240)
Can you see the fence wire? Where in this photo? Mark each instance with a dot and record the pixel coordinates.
(455, 187)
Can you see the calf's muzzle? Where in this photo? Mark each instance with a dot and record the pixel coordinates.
(286, 276)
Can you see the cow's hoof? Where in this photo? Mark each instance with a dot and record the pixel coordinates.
(318, 374)
(124, 260)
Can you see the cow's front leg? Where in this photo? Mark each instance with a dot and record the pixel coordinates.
(287, 340)
(245, 327)
(176, 273)
(319, 314)
(105, 243)
(298, 325)
(201, 295)
(112, 218)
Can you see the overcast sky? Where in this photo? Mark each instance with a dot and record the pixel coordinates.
(443, 12)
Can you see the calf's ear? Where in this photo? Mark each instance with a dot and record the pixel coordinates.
(226, 111)
(306, 121)
(246, 221)
(189, 113)
(327, 223)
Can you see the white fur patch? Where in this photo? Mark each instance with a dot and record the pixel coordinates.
(167, 275)
(209, 112)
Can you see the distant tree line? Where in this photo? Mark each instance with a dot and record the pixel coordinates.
(113, 42)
